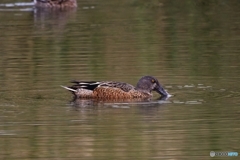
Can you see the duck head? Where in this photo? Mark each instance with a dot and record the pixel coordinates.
(149, 83)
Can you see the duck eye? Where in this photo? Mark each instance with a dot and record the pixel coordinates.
(153, 81)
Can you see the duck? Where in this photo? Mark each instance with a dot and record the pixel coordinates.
(117, 90)
(55, 3)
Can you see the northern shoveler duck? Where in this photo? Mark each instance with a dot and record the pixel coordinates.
(117, 90)
(56, 3)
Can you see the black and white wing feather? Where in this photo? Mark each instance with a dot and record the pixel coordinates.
(91, 85)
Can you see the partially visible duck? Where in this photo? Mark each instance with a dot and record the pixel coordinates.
(56, 3)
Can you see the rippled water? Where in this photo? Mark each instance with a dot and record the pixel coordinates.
(191, 47)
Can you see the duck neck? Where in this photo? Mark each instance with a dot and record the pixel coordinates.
(143, 89)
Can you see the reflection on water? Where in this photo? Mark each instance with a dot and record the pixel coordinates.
(192, 48)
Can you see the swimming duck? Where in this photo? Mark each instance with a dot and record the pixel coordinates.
(117, 90)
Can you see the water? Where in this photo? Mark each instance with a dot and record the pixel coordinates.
(191, 47)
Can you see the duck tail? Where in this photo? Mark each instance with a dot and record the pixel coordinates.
(70, 89)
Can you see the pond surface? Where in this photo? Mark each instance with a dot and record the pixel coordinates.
(191, 47)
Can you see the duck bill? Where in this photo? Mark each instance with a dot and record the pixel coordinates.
(162, 91)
